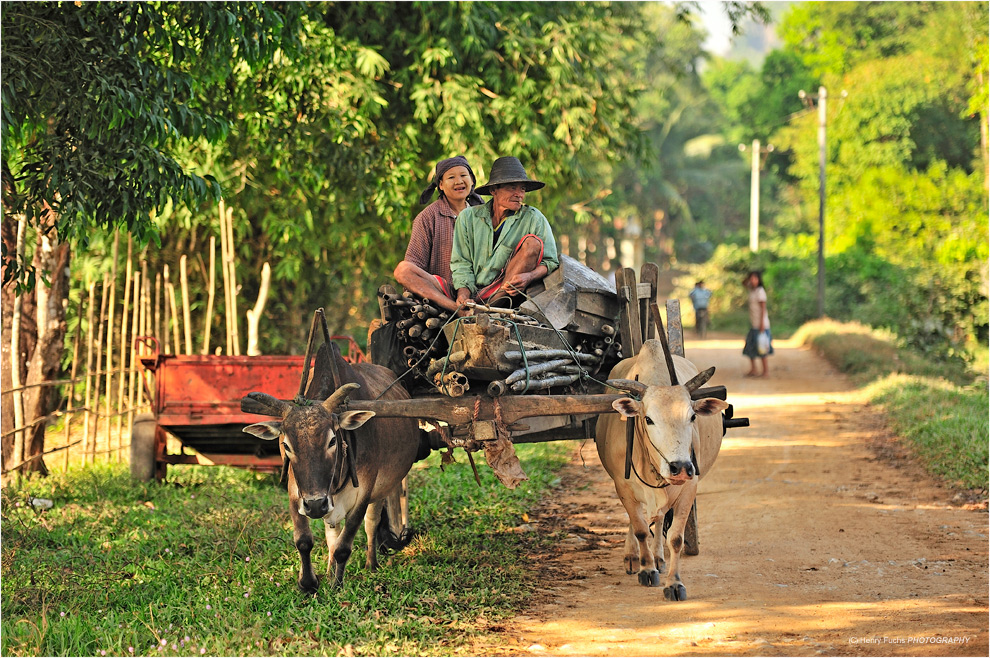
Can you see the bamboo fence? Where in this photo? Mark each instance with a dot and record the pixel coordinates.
(107, 386)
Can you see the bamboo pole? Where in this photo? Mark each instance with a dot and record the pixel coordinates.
(209, 297)
(254, 315)
(175, 315)
(226, 275)
(72, 386)
(107, 287)
(159, 326)
(107, 402)
(15, 354)
(146, 326)
(166, 327)
(234, 320)
(89, 368)
(135, 327)
(121, 382)
(186, 322)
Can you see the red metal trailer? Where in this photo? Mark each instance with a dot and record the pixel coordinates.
(197, 399)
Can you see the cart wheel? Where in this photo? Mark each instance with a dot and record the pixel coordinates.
(143, 447)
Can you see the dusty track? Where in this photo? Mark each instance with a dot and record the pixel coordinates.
(814, 541)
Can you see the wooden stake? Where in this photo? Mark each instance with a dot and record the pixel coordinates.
(15, 355)
(111, 306)
(167, 327)
(186, 323)
(97, 361)
(254, 315)
(174, 314)
(234, 321)
(89, 368)
(210, 295)
(121, 382)
(226, 275)
(70, 398)
(132, 371)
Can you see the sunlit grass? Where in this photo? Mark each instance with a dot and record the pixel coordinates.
(939, 406)
(205, 565)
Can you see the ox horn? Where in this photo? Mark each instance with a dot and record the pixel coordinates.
(698, 380)
(628, 385)
(339, 396)
(265, 405)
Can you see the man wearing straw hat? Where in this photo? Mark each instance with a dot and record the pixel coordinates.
(503, 246)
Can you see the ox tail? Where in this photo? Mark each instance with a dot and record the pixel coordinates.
(393, 532)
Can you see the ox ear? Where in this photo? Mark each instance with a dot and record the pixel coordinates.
(709, 406)
(351, 420)
(627, 407)
(268, 430)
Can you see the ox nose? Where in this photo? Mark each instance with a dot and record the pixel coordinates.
(316, 507)
(677, 467)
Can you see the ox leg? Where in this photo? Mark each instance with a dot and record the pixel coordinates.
(371, 520)
(639, 532)
(302, 535)
(345, 542)
(332, 534)
(673, 588)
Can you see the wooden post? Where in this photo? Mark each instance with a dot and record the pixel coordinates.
(254, 315)
(89, 368)
(234, 322)
(226, 275)
(174, 314)
(209, 296)
(132, 371)
(122, 361)
(111, 307)
(166, 328)
(15, 356)
(186, 323)
(156, 321)
(70, 398)
(98, 361)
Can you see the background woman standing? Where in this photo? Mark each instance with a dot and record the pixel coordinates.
(759, 344)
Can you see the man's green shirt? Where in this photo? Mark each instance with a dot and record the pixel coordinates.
(475, 261)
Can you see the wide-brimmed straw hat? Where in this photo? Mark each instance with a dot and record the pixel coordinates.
(508, 169)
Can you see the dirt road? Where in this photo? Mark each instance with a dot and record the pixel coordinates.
(816, 538)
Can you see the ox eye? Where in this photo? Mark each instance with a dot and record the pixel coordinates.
(693, 416)
(649, 421)
(285, 444)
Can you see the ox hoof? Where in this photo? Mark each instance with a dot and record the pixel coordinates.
(309, 586)
(675, 593)
(649, 578)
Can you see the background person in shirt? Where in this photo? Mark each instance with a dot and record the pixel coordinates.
(426, 267)
(759, 322)
(503, 246)
(699, 299)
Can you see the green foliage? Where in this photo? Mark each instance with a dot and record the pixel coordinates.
(98, 99)
(205, 564)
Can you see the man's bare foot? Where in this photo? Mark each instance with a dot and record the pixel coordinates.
(751, 373)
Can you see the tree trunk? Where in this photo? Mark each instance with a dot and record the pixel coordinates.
(45, 363)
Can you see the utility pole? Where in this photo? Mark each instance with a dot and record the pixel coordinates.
(754, 194)
(821, 98)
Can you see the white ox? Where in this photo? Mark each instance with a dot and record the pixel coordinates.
(663, 477)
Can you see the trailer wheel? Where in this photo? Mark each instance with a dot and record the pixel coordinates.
(143, 447)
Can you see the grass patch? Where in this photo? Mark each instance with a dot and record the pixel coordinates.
(204, 565)
(938, 406)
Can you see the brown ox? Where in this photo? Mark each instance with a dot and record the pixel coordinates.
(321, 472)
(663, 476)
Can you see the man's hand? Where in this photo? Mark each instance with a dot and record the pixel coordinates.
(463, 296)
(516, 283)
